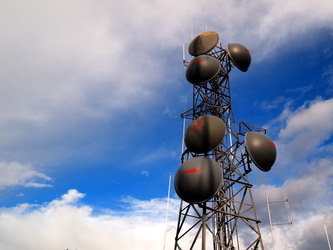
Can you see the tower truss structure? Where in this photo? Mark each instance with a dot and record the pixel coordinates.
(227, 221)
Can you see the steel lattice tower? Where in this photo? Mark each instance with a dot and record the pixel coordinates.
(229, 219)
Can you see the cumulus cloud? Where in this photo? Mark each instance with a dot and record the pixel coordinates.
(310, 207)
(71, 197)
(308, 193)
(308, 234)
(67, 223)
(17, 174)
(145, 173)
(87, 61)
(304, 172)
(305, 150)
(306, 231)
(265, 26)
(306, 128)
(328, 75)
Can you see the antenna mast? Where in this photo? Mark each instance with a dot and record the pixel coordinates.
(272, 224)
(221, 217)
(167, 213)
(328, 239)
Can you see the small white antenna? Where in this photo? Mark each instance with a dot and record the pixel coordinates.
(167, 213)
(185, 63)
(192, 32)
(290, 219)
(231, 156)
(230, 137)
(290, 223)
(328, 239)
(270, 220)
(206, 25)
(183, 144)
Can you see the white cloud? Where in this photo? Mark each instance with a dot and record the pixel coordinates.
(71, 197)
(85, 61)
(266, 26)
(304, 169)
(306, 232)
(17, 174)
(306, 128)
(328, 75)
(145, 173)
(307, 192)
(310, 204)
(64, 223)
(69, 223)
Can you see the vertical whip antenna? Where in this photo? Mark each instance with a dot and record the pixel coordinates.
(185, 62)
(328, 239)
(167, 213)
(184, 121)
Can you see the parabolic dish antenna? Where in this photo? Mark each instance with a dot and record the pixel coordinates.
(204, 133)
(198, 179)
(261, 149)
(202, 69)
(239, 55)
(203, 43)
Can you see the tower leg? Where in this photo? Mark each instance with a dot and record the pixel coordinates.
(204, 227)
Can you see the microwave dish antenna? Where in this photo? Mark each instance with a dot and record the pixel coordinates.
(204, 133)
(239, 55)
(261, 149)
(203, 43)
(198, 179)
(202, 69)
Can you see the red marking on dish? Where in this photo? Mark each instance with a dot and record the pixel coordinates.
(246, 50)
(198, 61)
(198, 125)
(194, 170)
(272, 144)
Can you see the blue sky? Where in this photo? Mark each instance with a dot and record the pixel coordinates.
(91, 95)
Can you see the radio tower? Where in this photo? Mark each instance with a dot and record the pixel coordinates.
(217, 210)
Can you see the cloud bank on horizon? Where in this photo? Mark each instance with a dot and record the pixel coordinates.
(70, 69)
(68, 223)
